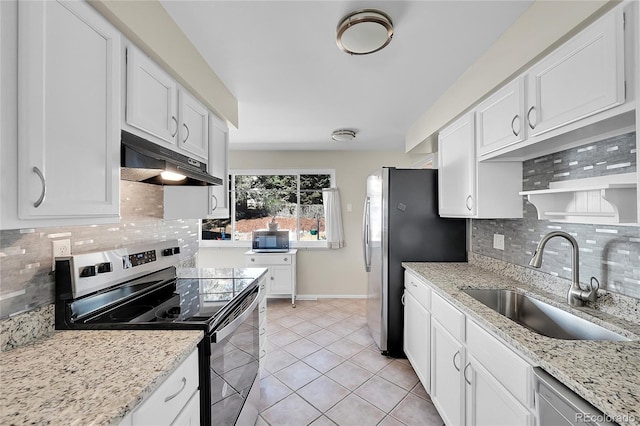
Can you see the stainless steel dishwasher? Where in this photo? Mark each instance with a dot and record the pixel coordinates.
(557, 405)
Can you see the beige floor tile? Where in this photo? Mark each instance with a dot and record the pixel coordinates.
(272, 390)
(342, 328)
(301, 348)
(354, 411)
(345, 348)
(361, 336)
(339, 313)
(356, 320)
(308, 314)
(297, 375)
(399, 374)
(323, 337)
(415, 411)
(322, 421)
(273, 327)
(289, 321)
(261, 422)
(371, 360)
(304, 328)
(283, 337)
(323, 393)
(381, 393)
(278, 359)
(349, 375)
(323, 360)
(324, 320)
(291, 411)
(420, 391)
(388, 421)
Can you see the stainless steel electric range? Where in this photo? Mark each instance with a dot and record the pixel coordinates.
(141, 288)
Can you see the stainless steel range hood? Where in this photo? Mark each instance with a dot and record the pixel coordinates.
(144, 161)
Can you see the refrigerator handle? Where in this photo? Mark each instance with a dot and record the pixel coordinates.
(365, 234)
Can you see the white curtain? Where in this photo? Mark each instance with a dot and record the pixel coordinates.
(333, 218)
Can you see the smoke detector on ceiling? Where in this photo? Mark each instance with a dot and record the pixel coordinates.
(343, 135)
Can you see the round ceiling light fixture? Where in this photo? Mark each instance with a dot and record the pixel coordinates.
(343, 135)
(364, 31)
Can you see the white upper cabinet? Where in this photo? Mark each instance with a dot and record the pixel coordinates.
(219, 167)
(165, 112)
(457, 165)
(467, 188)
(68, 113)
(580, 78)
(151, 97)
(194, 125)
(500, 118)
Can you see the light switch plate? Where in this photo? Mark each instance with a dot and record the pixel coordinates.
(498, 241)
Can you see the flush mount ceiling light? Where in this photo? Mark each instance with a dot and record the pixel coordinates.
(364, 31)
(343, 135)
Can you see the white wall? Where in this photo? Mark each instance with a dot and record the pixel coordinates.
(320, 272)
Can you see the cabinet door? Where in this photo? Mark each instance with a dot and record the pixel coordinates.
(489, 403)
(219, 167)
(580, 78)
(456, 175)
(281, 280)
(151, 97)
(68, 109)
(190, 414)
(447, 390)
(194, 126)
(417, 334)
(500, 118)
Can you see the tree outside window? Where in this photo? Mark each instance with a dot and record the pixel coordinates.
(293, 201)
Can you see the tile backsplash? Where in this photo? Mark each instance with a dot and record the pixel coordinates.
(609, 253)
(26, 280)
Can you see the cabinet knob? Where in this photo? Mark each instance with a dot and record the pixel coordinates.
(271, 278)
(286, 259)
(252, 259)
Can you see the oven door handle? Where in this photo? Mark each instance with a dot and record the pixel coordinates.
(225, 332)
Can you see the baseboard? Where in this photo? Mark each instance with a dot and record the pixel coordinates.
(320, 296)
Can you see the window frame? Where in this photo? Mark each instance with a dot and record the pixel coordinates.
(296, 244)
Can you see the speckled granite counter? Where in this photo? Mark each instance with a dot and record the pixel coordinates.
(607, 374)
(87, 377)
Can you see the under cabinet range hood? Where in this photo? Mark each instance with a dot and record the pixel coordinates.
(145, 161)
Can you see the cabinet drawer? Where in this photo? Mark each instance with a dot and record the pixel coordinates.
(269, 259)
(513, 372)
(418, 289)
(166, 402)
(448, 316)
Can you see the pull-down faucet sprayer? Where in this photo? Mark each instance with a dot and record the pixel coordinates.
(576, 296)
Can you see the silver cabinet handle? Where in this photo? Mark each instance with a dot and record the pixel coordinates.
(533, 126)
(184, 384)
(512, 123)
(252, 259)
(414, 284)
(464, 373)
(454, 361)
(263, 352)
(402, 299)
(215, 205)
(272, 278)
(187, 129)
(44, 187)
(469, 202)
(286, 259)
(175, 120)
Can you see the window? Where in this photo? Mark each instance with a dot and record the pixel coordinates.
(260, 199)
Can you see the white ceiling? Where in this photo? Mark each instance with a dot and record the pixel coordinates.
(294, 86)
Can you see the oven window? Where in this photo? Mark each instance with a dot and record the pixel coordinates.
(234, 367)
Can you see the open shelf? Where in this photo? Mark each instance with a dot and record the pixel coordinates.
(602, 200)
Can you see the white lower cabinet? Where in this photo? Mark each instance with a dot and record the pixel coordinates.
(262, 323)
(447, 358)
(488, 403)
(475, 378)
(281, 277)
(175, 402)
(417, 329)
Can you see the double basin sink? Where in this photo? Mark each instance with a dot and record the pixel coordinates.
(541, 317)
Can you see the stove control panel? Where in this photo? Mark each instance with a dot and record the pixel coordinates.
(138, 259)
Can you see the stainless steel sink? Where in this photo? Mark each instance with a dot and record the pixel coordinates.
(541, 317)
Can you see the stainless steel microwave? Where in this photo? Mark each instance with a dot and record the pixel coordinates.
(270, 241)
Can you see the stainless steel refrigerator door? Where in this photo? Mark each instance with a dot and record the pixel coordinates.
(377, 186)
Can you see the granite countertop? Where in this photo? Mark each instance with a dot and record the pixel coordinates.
(607, 374)
(90, 377)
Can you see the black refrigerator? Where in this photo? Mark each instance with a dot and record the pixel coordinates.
(401, 224)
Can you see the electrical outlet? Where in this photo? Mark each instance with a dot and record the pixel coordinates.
(60, 248)
(498, 241)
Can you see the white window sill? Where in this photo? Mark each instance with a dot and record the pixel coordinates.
(302, 245)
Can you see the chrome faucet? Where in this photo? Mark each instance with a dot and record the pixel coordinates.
(576, 296)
